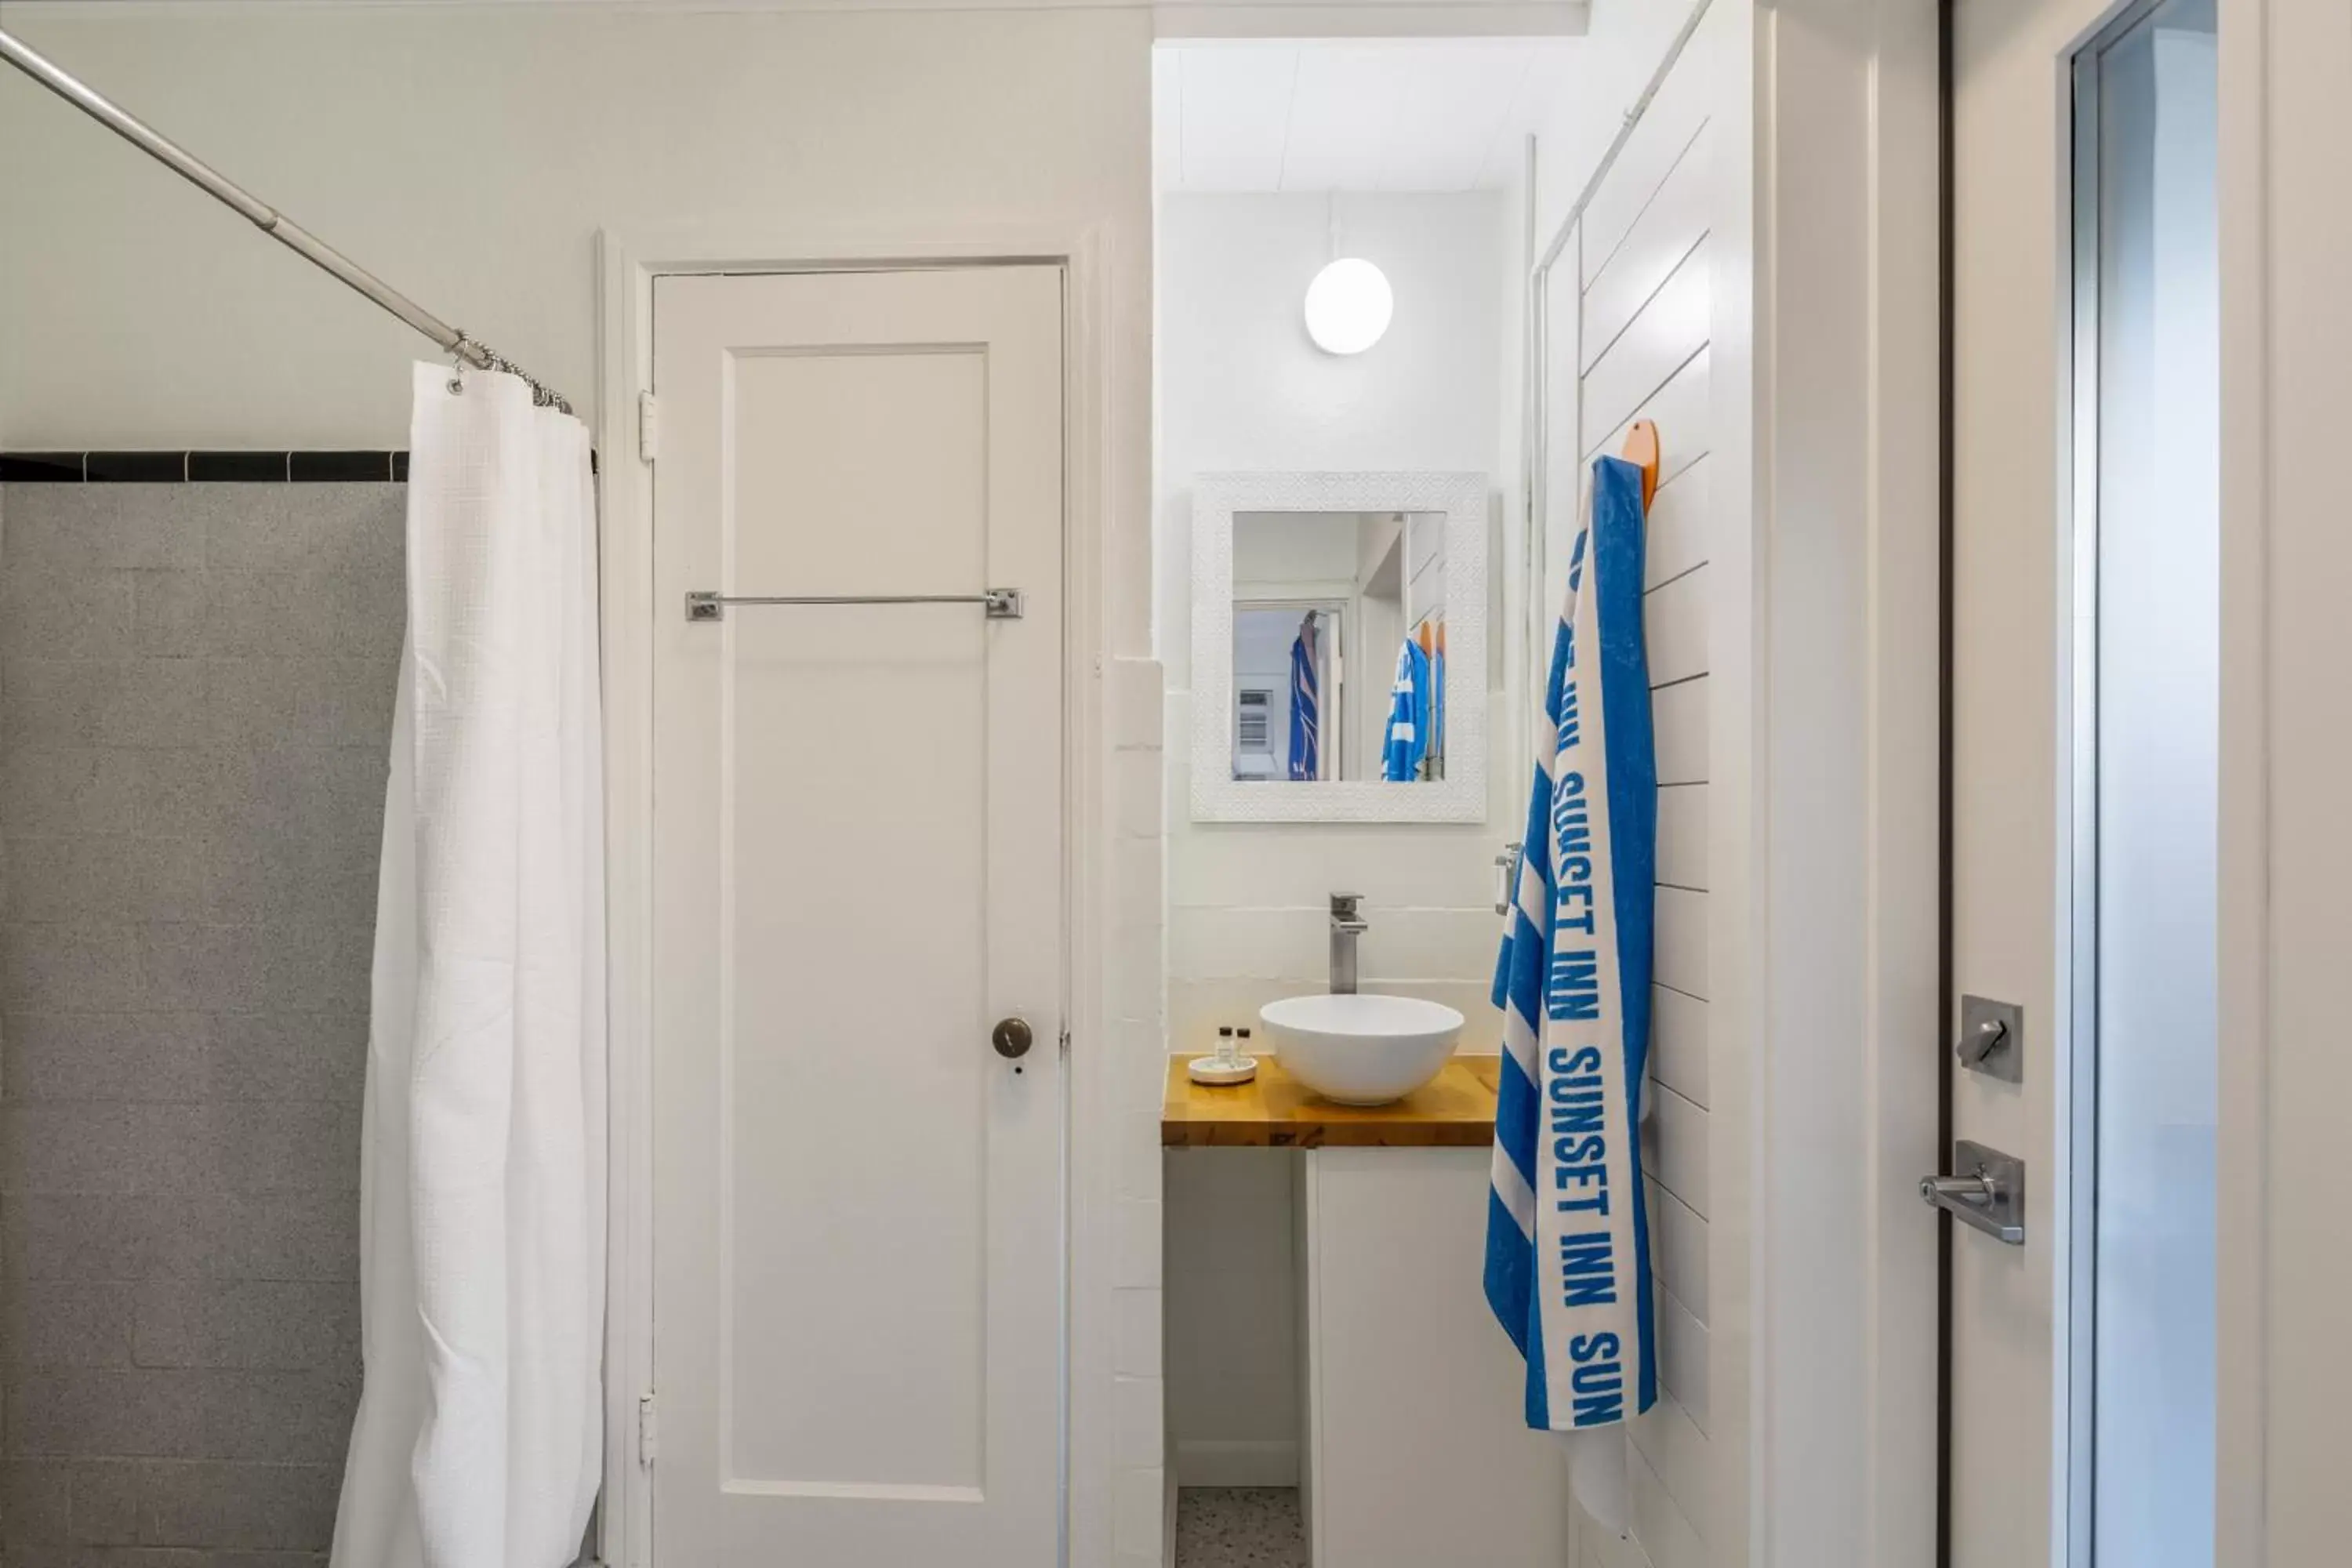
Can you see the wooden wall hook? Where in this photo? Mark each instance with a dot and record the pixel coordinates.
(1642, 450)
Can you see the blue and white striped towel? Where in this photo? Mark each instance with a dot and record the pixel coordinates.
(1567, 1266)
(1406, 741)
(1306, 720)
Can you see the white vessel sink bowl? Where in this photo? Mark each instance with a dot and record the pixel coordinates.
(1361, 1050)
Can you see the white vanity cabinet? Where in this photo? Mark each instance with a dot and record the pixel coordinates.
(1416, 1454)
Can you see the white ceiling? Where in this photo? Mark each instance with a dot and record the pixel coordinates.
(1432, 115)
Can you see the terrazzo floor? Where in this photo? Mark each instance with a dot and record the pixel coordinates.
(1240, 1526)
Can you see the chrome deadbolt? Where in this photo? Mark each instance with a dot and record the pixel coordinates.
(1013, 1038)
(1993, 1038)
(1982, 1041)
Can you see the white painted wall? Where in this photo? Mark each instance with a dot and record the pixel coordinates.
(1241, 387)
(469, 155)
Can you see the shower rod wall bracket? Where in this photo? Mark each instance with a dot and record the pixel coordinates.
(1000, 603)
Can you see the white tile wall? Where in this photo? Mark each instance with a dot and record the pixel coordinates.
(1138, 1008)
(1138, 1247)
(1139, 1515)
(1135, 1346)
(1141, 1424)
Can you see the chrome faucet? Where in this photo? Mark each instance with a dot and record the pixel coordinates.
(1346, 925)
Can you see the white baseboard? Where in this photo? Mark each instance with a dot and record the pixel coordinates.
(1211, 1463)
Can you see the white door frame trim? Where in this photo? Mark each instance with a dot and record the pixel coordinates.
(1843, 915)
(628, 266)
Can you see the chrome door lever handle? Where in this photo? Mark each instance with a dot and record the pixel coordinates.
(1946, 1191)
(1989, 1195)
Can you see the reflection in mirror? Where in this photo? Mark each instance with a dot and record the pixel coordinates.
(1339, 647)
(1339, 623)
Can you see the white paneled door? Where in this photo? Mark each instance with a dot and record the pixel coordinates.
(859, 875)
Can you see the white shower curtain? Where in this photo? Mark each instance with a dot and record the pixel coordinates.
(478, 1442)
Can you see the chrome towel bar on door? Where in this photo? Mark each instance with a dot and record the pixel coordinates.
(1003, 604)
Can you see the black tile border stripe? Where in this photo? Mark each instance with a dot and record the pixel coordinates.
(200, 467)
(237, 467)
(312, 467)
(209, 467)
(40, 467)
(134, 468)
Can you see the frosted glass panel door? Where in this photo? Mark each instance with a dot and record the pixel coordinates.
(2146, 220)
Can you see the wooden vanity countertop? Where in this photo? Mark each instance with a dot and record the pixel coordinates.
(1455, 1109)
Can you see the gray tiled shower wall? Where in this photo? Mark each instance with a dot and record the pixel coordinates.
(196, 697)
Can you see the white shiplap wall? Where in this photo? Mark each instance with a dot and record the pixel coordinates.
(1630, 310)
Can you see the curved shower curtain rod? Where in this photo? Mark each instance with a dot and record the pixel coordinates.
(265, 217)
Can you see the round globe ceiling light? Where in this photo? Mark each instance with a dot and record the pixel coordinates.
(1349, 305)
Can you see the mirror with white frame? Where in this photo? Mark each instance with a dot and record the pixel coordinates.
(1338, 647)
